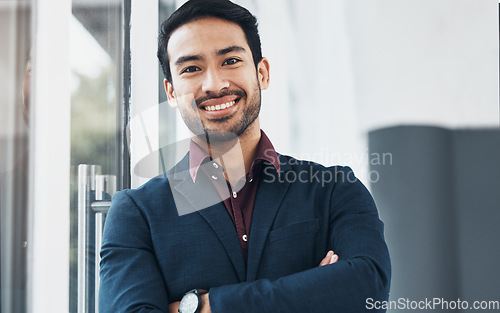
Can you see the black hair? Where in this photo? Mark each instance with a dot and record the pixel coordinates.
(197, 9)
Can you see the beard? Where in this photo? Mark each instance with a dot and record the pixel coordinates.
(233, 129)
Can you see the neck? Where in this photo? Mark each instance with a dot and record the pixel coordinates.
(235, 156)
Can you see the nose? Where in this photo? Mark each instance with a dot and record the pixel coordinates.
(214, 81)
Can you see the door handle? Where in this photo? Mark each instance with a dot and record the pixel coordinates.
(94, 199)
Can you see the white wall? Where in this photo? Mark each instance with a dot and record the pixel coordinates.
(426, 62)
(49, 155)
(342, 68)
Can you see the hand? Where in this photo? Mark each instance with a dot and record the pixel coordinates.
(174, 307)
(330, 258)
(205, 308)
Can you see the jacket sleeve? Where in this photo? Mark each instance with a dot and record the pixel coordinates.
(130, 276)
(353, 284)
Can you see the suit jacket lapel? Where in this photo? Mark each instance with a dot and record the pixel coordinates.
(272, 190)
(204, 199)
(223, 226)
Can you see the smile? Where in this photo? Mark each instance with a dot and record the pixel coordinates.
(219, 107)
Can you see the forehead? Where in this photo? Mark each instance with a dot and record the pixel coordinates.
(206, 35)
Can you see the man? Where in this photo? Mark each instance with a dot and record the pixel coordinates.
(234, 226)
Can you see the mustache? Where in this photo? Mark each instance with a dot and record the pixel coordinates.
(213, 95)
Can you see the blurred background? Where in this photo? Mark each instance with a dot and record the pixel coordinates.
(404, 92)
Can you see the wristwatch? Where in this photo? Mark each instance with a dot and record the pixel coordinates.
(191, 302)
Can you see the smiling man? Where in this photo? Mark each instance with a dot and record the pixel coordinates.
(235, 226)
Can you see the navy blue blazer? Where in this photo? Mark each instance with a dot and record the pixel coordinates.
(154, 251)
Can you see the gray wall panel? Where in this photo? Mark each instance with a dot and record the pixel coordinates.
(413, 199)
(477, 203)
(440, 202)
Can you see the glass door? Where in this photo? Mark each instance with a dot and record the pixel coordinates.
(71, 131)
(15, 72)
(100, 67)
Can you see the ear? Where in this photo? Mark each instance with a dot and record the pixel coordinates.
(169, 90)
(263, 73)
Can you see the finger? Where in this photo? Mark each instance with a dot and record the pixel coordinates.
(327, 258)
(334, 259)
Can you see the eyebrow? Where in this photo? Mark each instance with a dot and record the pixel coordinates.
(230, 49)
(188, 58)
(197, 57)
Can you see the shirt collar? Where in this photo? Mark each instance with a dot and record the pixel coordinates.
(196, 157)
(265, 152)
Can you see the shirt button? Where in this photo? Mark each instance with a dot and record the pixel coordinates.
(215, 165)
(245, 238)
(214, 177)
(251, 180)
(235, 195)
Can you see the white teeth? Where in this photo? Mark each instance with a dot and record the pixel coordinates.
(219, 107)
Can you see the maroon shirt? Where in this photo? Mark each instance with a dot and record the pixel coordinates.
(240, 200)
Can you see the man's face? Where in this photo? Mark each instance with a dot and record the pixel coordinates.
(215, 83)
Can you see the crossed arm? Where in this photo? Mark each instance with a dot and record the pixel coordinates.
(354, 231)
(330, 258)
(361, 273)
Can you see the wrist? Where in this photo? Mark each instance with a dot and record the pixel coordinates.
(192, 301)
(205, 300)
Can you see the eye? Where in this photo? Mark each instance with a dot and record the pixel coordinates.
(231, 61)
(190, 69)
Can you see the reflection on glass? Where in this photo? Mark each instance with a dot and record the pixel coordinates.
(15, 70)
(96, 66)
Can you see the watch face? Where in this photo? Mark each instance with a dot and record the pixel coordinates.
(189, 303)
